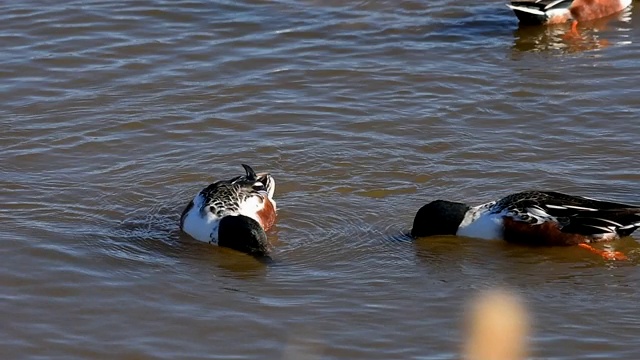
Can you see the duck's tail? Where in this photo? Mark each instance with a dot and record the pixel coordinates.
(265, 178)
(605, 224)
(629, 228)
(537, 12)
(269, 183)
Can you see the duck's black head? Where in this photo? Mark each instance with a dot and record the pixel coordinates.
(438, 217)
(244, 234)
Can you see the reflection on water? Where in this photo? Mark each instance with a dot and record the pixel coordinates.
(559, 39)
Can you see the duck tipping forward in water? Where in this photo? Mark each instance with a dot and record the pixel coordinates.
(233, 213)
(560, 11)
(532, 218)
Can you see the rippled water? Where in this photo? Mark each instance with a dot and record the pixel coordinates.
(114, 114)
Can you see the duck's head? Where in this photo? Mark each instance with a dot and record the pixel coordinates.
(244, 234)
(438, 217)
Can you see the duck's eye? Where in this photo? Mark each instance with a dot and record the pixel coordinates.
(258, 187)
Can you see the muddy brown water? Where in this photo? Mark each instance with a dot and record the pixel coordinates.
(114, 114)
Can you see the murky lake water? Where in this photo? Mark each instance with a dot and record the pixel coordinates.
(113, 115)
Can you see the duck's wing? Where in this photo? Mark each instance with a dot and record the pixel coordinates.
(217, 199)
(543, 5)
(591, 217)
(220, 198)
(584, 216)
(539, 11)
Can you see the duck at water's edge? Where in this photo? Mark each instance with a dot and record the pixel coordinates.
(234, 213)
(560, 11)
(532, 218)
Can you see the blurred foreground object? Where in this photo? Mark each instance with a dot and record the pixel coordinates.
(497, 327)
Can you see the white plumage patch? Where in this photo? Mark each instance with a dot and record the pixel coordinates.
(480, 223)
(201, 223)
(605, 229)
(615, 224)
(630, 226)
(552, 4)
(579, 208)
(551, 13)
(483, 223)
(526, 9)
(250, 207)
(538, 213)
(556, 207)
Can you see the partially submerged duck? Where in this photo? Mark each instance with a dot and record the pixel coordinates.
(561, 11)
(234, 213)
(533, 218)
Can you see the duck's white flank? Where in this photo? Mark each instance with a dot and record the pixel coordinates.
(201, 223)
(480, 223)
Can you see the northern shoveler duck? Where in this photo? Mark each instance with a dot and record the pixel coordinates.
(560, 11)
(233, 213)
(532, 218)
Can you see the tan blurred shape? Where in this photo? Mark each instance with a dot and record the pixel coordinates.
(497, 327)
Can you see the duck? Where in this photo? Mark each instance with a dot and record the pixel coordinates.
(234, 213)
(534, 218)
(560, 11)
